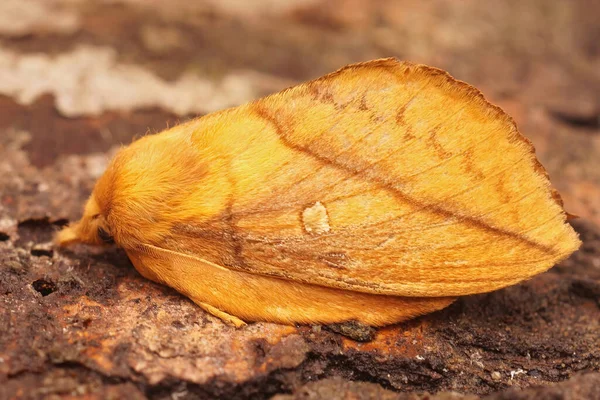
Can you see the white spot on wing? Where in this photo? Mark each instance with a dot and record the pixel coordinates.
(315, 219)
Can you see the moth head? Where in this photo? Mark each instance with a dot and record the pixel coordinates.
(92, 228)
(148, 185)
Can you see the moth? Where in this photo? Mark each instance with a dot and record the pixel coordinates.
(376, 193)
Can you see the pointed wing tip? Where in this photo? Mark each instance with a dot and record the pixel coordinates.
(574, 240)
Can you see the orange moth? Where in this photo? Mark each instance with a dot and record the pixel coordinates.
(376, 193)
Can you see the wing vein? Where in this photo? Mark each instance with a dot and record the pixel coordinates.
(466, 219)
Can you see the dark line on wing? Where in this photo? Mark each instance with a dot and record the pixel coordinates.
(235, 240)
(352, 146)
(431, 226)
(282, 131)
(425, 205)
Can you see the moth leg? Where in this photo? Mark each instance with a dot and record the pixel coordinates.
(228, 318)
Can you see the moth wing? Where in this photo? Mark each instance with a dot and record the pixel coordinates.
(230, 294)
(383, 177)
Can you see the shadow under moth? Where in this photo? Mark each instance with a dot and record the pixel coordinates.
(376, 193)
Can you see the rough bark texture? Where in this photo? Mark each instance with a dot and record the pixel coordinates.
(78, 78)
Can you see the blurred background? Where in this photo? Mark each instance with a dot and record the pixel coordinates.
(78, 78)
(83, 75)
